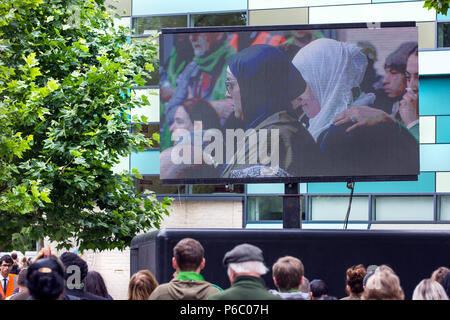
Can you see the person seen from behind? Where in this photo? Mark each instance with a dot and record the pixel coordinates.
(288, 277)
(45, 280)
(428, 289)
(95, 284)
(384, 284)
(188, 260)
(141, 285)
(354, 278)
(245, 266)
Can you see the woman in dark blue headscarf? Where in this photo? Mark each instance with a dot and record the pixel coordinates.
(262, 82)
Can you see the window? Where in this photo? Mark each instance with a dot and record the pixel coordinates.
(444, 208)
(218, 19)
(335, 208)
(216, 189)
(405, 208)
(264, 208)
(150, 25)
(148, 130)
(153, 183)
(443, 34)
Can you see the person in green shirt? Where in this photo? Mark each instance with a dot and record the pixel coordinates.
(245, 265)
(188, 284)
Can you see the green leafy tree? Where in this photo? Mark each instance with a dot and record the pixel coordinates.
(441, 6)
(66, 87)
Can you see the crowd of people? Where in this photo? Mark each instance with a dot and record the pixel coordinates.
(324, 97)
(48, 277)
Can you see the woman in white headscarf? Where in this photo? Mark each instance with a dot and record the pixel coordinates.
(333, 71)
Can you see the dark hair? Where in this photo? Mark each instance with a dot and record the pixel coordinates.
(318, 288)
(94, 283)
(14, 256)
(189, 254)
(397, 59)
(355, 276)
(22, 277)
(72, 259)
(45, 279)
(201, 110)
(268, 82)
(6, 258)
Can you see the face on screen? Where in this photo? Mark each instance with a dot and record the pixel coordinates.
(181, 121)
(202, 42)
(412, 73)
(309, 103)
(234, 93)
(394, 83)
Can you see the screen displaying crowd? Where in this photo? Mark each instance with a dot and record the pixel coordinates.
(286, 105)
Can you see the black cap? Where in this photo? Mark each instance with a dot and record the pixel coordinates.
(242, 253)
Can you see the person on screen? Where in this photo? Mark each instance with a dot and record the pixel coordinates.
(407, 114)
(191, 115)
(203, 77)
(331, 70)
(262, 82)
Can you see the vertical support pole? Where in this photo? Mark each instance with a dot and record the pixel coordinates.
(291, 207)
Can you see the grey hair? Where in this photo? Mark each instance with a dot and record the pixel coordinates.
(429, 289)
(248, 267)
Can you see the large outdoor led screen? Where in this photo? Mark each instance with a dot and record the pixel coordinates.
(289, 104)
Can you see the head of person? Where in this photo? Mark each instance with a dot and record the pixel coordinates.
(412, 70)
(204, 43)
(22, 279)
(288, 273)
(45, 279)
(244, 259)
(394, 82)
(384, 284)
(318, 288)
(141, 285)
(439, 274)
(428, 289)
(261, 81)
(75, 267)
(331, 70)
(94, 283)
(14, 256)
(354, 278)
(446, 284)
(6, 264)
(194, 114)
(188, 255)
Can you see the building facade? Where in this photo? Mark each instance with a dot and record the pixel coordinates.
(422, 204)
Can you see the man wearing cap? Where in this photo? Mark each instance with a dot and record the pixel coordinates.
(245, 265)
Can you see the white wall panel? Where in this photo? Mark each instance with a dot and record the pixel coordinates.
(427, 127)
(434, 62)
(382, 12)
(270, 4)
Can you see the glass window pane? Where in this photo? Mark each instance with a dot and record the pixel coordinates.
(443, 34)
(403, 208)
(153, 183)
(148, 130)
(216, 189)
(268, 208)
(148, 25)
(153, 78)
(223, 19)
(264, 208)
(445, 208)
(335, 208)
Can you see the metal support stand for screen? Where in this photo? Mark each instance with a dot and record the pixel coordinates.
(291, 207)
